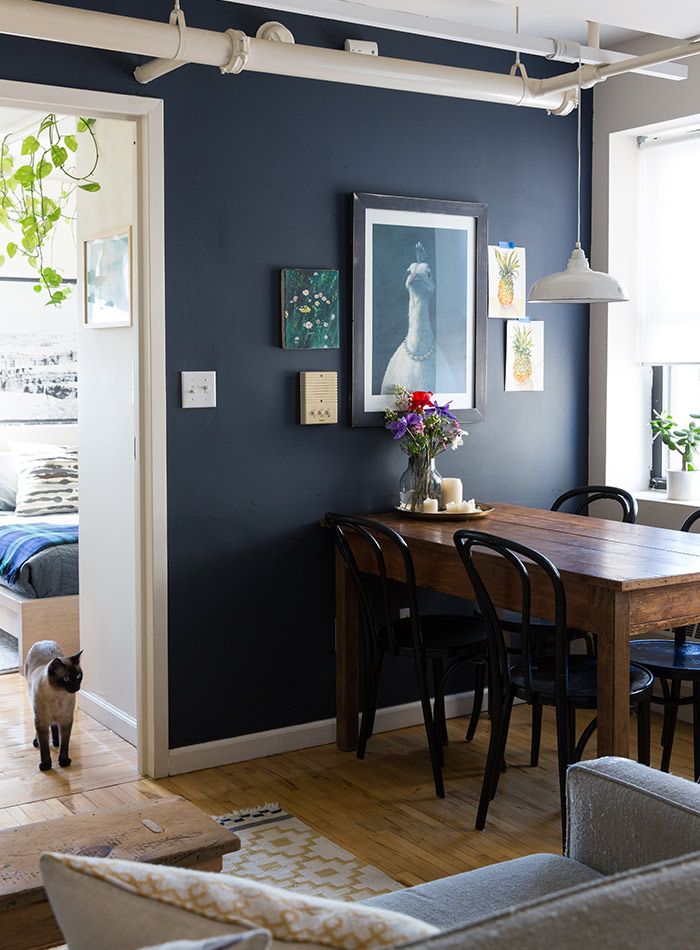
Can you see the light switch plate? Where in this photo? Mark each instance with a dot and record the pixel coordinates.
(198, 390)
(319, 398)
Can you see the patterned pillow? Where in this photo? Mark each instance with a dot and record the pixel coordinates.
(107, 901)
(47, 478)
(8, 482)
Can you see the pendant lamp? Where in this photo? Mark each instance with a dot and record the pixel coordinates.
(578, 283)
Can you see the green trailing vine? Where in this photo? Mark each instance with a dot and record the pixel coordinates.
(25, 208)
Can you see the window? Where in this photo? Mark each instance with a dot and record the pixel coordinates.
(669, 327)
(669, 253)
(674, 389)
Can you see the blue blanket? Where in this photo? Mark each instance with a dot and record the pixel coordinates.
(19, 542)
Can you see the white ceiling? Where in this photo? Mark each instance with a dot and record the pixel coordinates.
(621, 20)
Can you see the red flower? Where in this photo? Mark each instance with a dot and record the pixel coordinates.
(419, 400)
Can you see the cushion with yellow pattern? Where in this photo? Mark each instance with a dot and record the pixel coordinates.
(124, 905)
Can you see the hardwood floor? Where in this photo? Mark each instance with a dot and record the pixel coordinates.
(382, 809)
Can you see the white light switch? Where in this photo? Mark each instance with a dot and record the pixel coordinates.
(198, 390)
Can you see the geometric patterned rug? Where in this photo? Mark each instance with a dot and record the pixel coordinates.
(278, 849)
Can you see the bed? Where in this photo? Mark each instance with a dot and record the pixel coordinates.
(42, 603)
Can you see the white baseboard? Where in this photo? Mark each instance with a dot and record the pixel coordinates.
(256, 745)
(108, 715)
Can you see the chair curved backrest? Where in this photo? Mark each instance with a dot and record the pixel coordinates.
(375, 543)
(517, 556)
(690, 520)
(587, 494)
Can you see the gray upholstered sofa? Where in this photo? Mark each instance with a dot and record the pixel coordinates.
(630, 876)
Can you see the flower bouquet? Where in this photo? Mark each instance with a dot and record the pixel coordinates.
(423, 429)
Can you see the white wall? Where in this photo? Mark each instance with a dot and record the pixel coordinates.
(619, 437)
(107, 360)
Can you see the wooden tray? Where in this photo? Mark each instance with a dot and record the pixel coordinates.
(481, 512)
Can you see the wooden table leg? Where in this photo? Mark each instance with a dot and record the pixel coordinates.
(613, 629)
(347, 686)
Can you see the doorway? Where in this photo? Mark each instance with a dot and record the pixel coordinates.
(123, 620)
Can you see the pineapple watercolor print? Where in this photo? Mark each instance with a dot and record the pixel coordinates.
(525, 356)
(507, 282)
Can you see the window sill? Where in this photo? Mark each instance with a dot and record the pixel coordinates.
(659, 496)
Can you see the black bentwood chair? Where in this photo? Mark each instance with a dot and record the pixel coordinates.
(674, 662)
(440, 638)
(565, 681)
(577, 501)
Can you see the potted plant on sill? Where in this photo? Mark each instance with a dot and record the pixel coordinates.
(682, 484)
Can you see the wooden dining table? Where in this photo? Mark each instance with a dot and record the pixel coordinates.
(620, 580)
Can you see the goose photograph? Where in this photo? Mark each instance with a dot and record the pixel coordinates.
(419, 296)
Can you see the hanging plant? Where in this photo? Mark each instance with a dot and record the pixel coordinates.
(27, 210)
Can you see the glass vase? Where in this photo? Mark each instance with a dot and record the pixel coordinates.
(421, 480)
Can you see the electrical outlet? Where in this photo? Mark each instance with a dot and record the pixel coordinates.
(404, 613)
(366, 47)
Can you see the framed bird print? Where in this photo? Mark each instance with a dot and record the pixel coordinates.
(420, 268)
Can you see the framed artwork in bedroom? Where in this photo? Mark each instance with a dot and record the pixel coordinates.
(108, 279)
(420, 269)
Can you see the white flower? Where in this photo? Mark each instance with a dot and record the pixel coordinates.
(316, 303)
(316, 295)
(305, 292)
(309, 325)
(457, 441)
(286, 314)
(332, 317)
(294, 299)
(325, 323)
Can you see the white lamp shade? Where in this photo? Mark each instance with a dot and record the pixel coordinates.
(577, 284)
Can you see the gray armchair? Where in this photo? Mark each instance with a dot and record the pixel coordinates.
(630, 876)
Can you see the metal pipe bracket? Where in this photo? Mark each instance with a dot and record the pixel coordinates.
(240, 52)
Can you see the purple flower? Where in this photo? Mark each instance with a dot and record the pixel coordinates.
(400, 426)
(443, 411)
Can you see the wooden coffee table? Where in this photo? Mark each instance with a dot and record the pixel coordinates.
(163, 831)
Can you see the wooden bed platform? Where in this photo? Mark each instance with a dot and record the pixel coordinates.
(46, 618)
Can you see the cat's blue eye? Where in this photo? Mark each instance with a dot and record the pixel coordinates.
(66, 678)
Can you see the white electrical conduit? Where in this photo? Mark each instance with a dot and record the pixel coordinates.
(59, 24)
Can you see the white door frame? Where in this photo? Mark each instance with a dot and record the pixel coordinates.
(151, 490)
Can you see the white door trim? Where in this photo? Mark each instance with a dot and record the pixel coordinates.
(151, 515)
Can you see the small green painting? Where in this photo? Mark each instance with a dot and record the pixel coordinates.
(310, 312)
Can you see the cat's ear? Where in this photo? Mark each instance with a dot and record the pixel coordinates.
(55, 665)
(76, 658)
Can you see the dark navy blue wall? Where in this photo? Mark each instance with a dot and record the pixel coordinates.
(259, 172)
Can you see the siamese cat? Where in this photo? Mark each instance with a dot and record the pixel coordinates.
(52, 680)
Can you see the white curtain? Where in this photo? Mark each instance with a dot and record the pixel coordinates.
(670, 251)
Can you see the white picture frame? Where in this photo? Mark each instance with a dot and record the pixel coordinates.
(108, 279)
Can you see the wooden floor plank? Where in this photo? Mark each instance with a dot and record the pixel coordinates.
(382, 809)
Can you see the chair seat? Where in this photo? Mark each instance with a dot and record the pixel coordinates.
(583, 681)
(664, 658)
(512, 622)
(443, 635)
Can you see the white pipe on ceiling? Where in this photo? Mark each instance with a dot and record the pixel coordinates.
(590, 75)
(232, 51)
(424, 23)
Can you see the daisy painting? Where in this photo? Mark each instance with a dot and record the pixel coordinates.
(310, 310)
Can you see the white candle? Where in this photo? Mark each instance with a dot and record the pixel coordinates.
(451, 491)
(430, 505)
